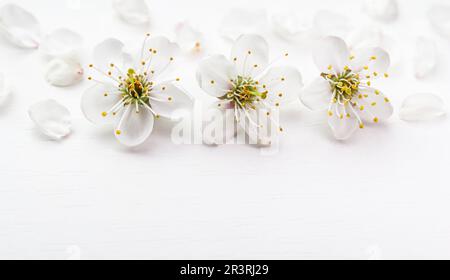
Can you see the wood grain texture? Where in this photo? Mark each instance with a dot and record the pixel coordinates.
(383, 194)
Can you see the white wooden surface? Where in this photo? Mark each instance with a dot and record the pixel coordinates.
(383, 194)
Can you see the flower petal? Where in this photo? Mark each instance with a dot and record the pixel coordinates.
(242, 21)
(111, 51)
(132, 11)
(19, 26)
(374, 106)
(158, 53)
(214, 75)
(250, 54)
(51, 118)
(284, 85)
(329, 23)
(331, 51)
(384, 10)
(97, 104)
(61, 43)
(290, 26)
(5, 89)
(134, 127)
(168, 101)
(189, 39)
(220, 124)
(373, 62)
(259, 125)
(317, 95)
(439, 16)
(63, 72)
(422, 107)
(425, 58)
(342, 121)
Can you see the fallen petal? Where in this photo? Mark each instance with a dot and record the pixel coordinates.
(51, 118)
(19, 27)
(63, 72)
(291, 27)
(328, 23)
(61, 43)
(422, 107)
(439, 17)
(132, 11)
(384, 10)
(188, 38)
(5, 89)
(425, 58)
(242, 21)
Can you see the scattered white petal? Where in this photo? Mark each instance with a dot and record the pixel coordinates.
(384, 10)
(422, 107)
(439, 17)
(328, 23)
(5, 89)
(291, 27)
(425, 58)
(19, 26)
(188, 38)
(61, 43)
(132, 11)
(51, 118)
(63, 72)
(242, 21)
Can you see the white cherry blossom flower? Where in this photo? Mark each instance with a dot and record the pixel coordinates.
(128, 92)
(344, 87)
(247, 90)
(190, 40)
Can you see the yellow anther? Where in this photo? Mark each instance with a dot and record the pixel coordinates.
(361, 126)
(366, 67)
(330, 113)
(387, 100)
(104, 114)
(386, 75)
(373, 58)
(374, 104)
(377, 92)
(375, 120)
(361, 108)
(330, 67)
(118, 132)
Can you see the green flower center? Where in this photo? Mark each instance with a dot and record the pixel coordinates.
(245, 92)
(344, 86)
(135, 88)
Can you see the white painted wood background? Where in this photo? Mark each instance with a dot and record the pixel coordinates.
(383, 194)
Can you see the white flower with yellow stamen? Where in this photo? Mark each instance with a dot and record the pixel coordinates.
(127, 92)
(248, 92)
(345, 86)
